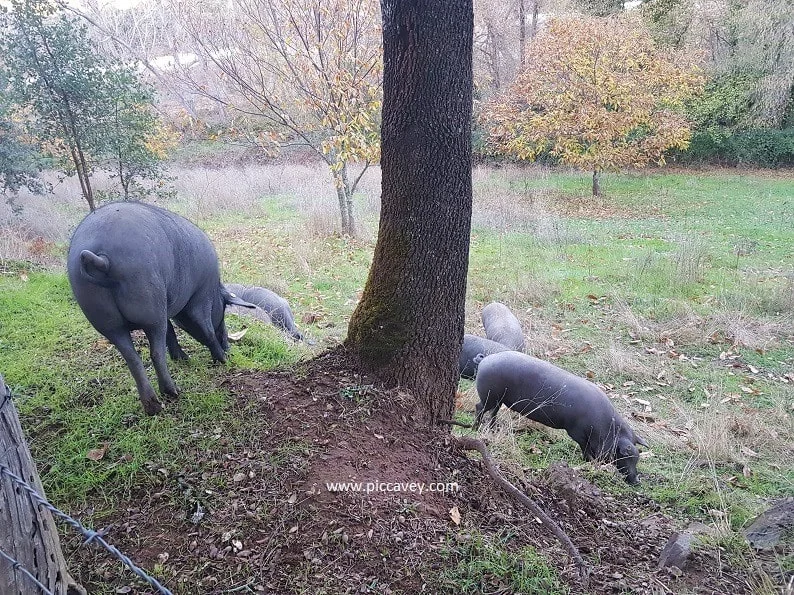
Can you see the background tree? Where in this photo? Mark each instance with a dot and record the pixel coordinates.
(408, 326)
(596, 94)
(746, 112)
(765, 49)
(135, 142)
(303, 73)
(20, 160)
(599, 8)
(497, 42)
(71, 93)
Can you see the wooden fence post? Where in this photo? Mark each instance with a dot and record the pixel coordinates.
(27, 531)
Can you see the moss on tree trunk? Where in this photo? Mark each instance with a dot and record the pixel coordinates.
(408, 326)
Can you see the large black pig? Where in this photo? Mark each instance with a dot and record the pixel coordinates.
(559, 399)
(135, 266)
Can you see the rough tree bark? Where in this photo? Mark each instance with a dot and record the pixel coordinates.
(27, 532)
(408, 326)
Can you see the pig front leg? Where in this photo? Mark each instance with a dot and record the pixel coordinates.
(174, 348)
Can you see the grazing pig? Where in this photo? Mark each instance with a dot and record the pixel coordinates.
(257, 312)
(472, 347)
(554, 397)
(135, 266)
(502, 326)
(276, 306)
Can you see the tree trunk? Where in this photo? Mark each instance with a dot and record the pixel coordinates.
(522, 33)
(85, 174)
(408, 327)
(493, 42)
(27, 531)
(535, 9)
(85, 182)
(340, 194)
(351, 222)
(596, 183)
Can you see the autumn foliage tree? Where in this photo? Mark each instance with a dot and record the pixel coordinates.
(301, 73)
(596, 94)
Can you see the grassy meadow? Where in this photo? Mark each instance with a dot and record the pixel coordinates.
(674, 291)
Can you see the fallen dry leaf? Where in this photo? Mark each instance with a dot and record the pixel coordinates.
(311, 317)
(454, 514)
(97, 454)
(748, 452)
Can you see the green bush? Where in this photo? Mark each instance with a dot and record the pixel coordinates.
(763, 147)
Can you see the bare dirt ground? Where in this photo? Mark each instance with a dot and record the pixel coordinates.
(253, 513)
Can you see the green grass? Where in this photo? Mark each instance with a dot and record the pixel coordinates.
(481, 564)
(76, 394)
(690, 277)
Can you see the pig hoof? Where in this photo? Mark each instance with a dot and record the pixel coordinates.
(170, 390)
(179, 355)
(152, 407)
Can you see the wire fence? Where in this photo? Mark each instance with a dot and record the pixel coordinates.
(90, 535)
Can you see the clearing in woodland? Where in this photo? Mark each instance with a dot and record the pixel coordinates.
(672, 291)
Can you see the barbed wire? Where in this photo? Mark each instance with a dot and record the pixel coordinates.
(17, 566)
(91, 536)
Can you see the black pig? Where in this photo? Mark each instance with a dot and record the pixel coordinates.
(135, 266)
(276, 306)
(555, 397)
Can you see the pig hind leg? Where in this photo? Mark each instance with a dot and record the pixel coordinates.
(158, 342)
(123, 343)
(199, 326)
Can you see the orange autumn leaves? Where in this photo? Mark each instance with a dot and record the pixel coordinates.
(596, 94)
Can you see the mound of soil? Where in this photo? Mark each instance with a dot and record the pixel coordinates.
(257, 511)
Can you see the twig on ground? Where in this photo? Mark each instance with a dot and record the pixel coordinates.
(467, 443)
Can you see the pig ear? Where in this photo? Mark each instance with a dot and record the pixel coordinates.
(640, 440)
(230, 298)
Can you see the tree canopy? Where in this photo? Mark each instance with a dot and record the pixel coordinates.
(299, 73)
(597, 94)
(84, 109)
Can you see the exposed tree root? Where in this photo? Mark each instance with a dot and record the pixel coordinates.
(468, 443)
(452, 422)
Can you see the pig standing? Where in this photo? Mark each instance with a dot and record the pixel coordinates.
(556, 398)
(135, 266)
(502, 326)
